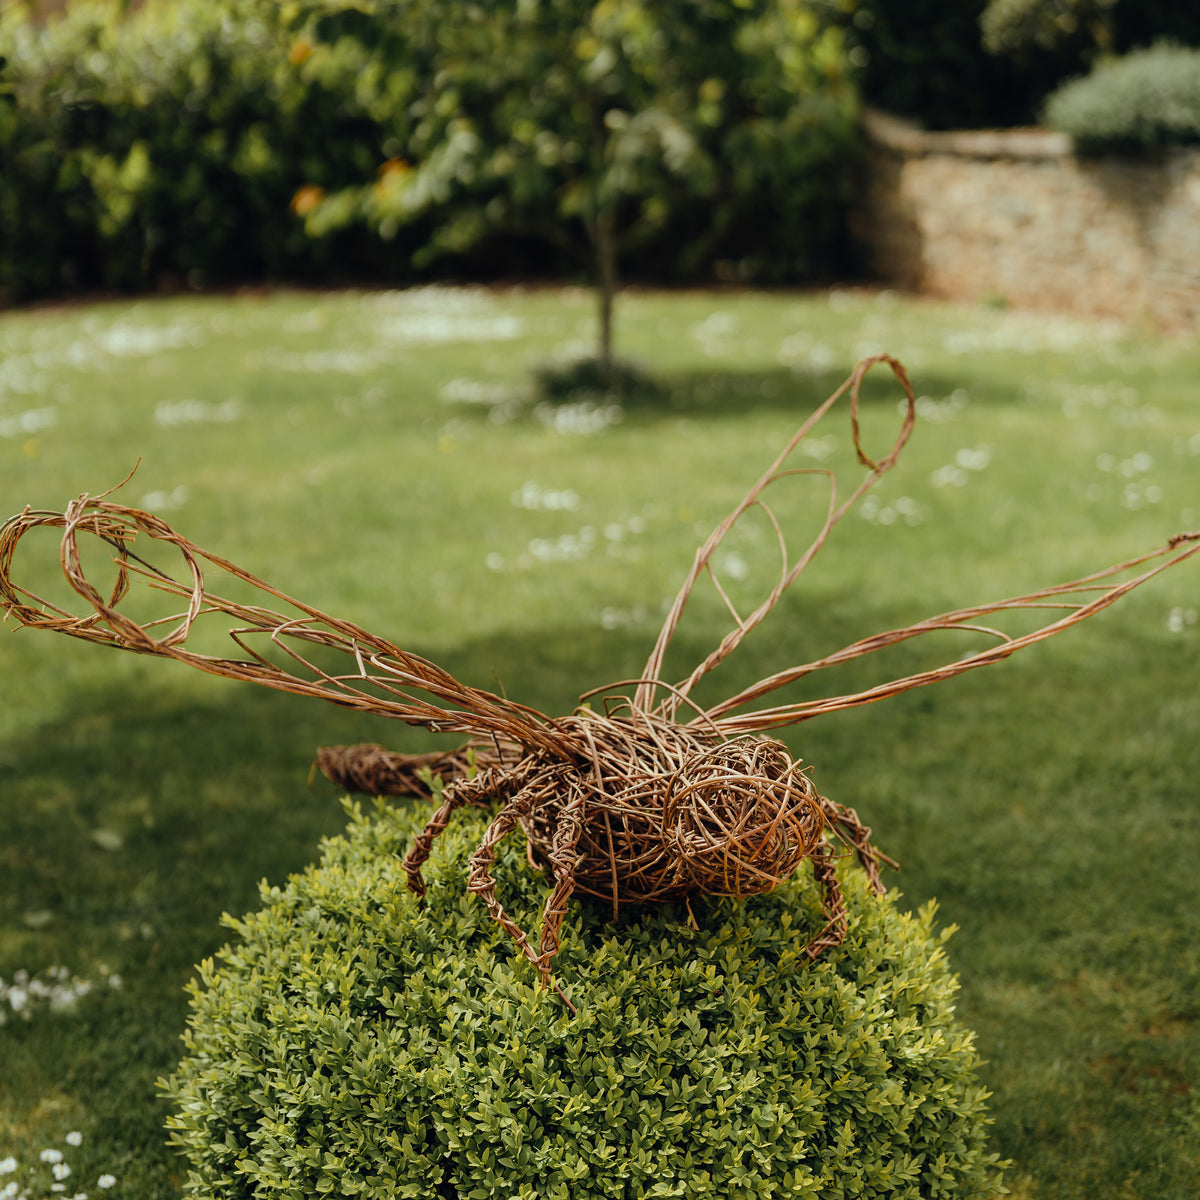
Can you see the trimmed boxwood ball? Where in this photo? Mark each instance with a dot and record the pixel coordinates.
(352, 1044)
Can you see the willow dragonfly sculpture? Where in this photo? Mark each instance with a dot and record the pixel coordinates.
(640, 795)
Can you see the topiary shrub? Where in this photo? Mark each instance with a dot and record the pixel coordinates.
(352, 1044)
(1146, 100)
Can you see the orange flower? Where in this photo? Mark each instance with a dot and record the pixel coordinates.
(306, 199)
(300, 52)
(393, 166)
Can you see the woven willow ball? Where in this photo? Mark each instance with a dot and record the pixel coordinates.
(679, 814)
(741, 817)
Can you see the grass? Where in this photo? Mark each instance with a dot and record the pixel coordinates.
(379, 455)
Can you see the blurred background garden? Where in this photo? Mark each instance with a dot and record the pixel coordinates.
(468, 323)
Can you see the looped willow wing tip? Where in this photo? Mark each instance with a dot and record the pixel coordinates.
(855, 381)
(386, 680)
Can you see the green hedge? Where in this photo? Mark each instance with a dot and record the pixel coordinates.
(1144, 101)
(350, 1044)
(167, 148)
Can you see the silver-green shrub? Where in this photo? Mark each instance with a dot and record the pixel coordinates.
(1145, 100)
(350, 1044)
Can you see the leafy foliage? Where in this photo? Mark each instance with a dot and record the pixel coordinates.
(1016, 26)
(956, 64)
(353, 1044)
(678, 132)
(923, 59)
(202, 139)
(166, 146)
(1141, 102)
(1085, 27)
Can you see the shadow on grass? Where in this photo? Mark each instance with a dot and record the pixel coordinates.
(729, 393)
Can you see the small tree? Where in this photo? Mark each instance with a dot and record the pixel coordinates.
(594, 125)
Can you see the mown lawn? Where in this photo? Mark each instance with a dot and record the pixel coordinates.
(379, 455)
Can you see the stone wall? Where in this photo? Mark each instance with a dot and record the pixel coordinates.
(1015, 217)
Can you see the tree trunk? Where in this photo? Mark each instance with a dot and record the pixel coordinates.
(604, 243)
